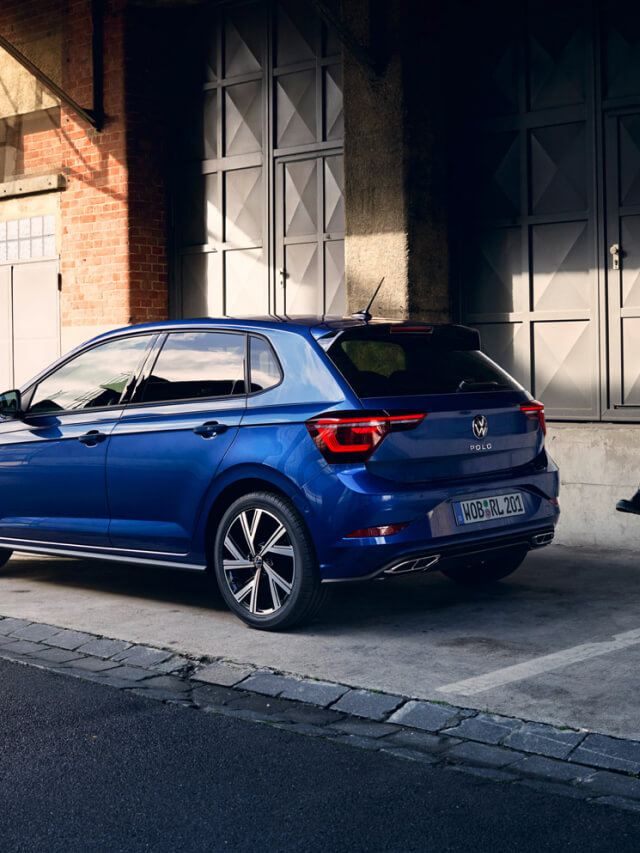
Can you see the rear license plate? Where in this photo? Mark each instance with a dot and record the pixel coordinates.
(488, 509)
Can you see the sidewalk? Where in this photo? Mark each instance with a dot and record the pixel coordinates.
(557, 643)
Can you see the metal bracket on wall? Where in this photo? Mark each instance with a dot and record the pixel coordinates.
(95, 115)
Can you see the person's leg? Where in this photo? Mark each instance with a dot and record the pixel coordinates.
(632, 505)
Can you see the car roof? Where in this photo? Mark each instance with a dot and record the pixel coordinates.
(315, 325)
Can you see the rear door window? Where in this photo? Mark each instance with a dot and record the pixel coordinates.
(197, 365)
(413, 364)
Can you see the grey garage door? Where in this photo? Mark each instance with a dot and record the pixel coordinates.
(258, 199)
(310, 235)
(550, 184)
(623, 228)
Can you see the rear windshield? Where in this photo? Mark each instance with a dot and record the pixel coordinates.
(414, 364)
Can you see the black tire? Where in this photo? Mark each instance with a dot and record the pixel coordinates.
(290, 564)
(490, 570)
(5, 556)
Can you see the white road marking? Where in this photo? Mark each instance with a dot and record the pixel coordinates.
(545, 663)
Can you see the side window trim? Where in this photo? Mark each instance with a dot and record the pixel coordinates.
(146, 370)
(153, 360)
(138, 372)
(251, 393)
(30, 392)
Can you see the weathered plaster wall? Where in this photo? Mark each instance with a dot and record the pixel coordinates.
(376, 242)
(395, 162)
(425, 92)
(20, 92)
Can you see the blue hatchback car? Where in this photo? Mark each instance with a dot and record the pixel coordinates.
(282, 456)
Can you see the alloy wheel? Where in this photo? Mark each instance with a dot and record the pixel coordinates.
(259, 561)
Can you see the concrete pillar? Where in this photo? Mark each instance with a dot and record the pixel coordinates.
(424, 40)
(376, 241)
(395, 155)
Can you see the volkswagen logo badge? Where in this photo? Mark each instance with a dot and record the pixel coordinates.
(480, 426)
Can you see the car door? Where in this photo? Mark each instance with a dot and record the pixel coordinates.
(171, 439)
(52, 460)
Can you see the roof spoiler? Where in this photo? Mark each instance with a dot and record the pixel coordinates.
(450, 336)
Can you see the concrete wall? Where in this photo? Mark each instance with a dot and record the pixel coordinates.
(599, 464)
(425, 90)
(376, 240)
(20, 92)
(395, 161)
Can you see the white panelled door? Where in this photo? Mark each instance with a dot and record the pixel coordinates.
(6, 344)
(29, 320)
(36, 321)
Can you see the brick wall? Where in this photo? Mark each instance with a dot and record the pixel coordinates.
(112, 220)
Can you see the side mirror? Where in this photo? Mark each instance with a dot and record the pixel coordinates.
(10, 405)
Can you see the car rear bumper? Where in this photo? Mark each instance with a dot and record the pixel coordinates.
(344, 502)
(428, 560)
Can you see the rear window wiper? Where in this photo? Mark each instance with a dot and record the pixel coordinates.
(471, 385)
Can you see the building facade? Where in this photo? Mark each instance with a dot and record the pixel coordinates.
(161, 158)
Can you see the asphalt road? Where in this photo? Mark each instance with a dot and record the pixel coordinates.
(555, 620)
(86, 768)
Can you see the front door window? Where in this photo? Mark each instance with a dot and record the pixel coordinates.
(97, 378)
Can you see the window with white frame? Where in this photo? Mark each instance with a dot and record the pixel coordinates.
(27, 239)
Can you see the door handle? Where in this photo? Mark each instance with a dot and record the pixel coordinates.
(91, 438)
(210, 428)
(615, 253)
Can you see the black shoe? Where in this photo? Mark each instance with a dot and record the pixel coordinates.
(630, 506)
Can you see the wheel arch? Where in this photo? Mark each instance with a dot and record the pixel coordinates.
(235, 483)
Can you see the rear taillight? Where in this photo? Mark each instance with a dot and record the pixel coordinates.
(351, 438)
(535, 411)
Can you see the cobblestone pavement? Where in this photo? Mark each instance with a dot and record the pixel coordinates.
(569, 762)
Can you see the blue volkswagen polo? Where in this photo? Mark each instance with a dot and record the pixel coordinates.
(280, 456)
